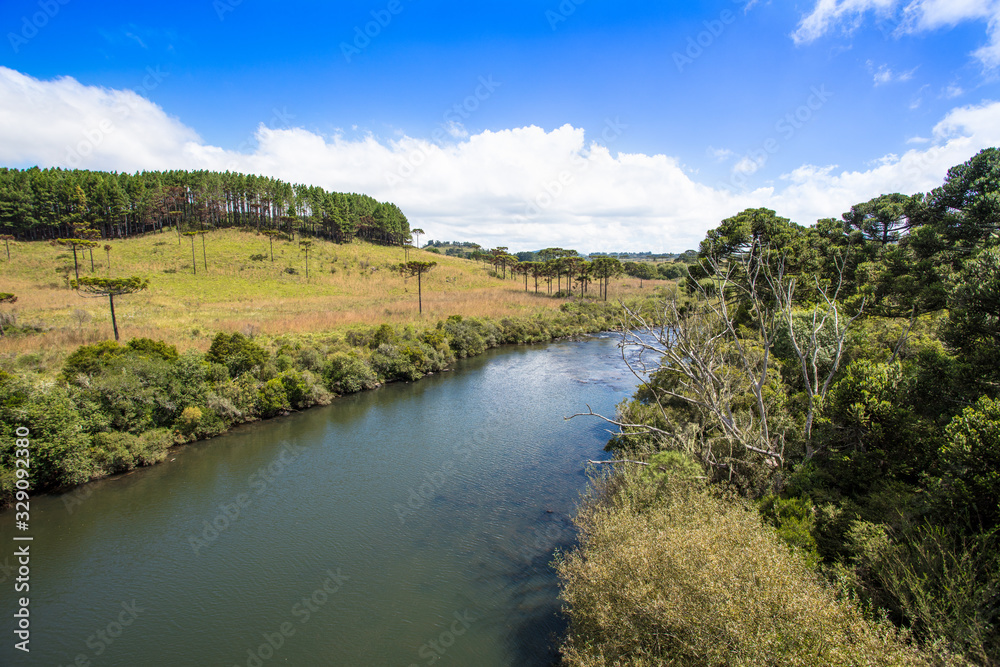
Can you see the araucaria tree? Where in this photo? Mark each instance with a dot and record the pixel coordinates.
(417, 269)
(76, 243)
(109, 287)
(270, 234)
(306, 246)
(194, 261)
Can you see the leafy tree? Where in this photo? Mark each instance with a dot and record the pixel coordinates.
(640, 270)
(974, 312)
(109, 287)
(107, 250)
(970, 458)
(416, 234)
(604, 268)
(967, 207)
(418, 269)
(670, 271)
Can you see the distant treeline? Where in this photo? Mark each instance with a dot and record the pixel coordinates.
(40, 204)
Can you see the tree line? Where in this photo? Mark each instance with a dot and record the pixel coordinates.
(45, 204)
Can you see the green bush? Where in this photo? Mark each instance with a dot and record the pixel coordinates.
(59, 447)
(463, 338)
(347, 374)
(390, 363)
(272, 399)
(970, 463)
(88, 360)
(237, 353)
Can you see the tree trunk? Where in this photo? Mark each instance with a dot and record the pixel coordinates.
(420, 295)
(114, 322)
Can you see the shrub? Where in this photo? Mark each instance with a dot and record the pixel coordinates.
(690, 577)
(347, 374)
(146, 347)
(89, 359)
(970, 459)
(389, 363)
(236, 352)
(272, 399)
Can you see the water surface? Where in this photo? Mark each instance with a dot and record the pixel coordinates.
(412, 525)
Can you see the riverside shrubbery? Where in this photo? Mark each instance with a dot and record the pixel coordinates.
(116, 407)
(673, 572)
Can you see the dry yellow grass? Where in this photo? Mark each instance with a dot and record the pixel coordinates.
(348, 285)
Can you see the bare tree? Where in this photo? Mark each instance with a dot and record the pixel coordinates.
(713, 352)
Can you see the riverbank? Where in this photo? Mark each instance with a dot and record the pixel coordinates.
(119, 407)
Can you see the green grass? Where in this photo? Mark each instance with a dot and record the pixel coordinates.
(348, 285)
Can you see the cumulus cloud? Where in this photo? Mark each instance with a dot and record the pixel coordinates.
(915, 16)
(524, 187)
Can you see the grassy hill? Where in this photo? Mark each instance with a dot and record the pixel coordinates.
(348, 285)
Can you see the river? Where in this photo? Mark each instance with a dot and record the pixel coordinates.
(412, 525)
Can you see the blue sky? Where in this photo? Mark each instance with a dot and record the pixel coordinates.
(588, 124)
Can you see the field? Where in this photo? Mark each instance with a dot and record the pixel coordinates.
(348, 285)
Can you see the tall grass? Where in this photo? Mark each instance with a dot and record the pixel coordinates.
(674, 573)
(348, 285)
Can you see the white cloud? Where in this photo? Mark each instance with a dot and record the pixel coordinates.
(884, 74)
(746, 166)
(523, 187)
(720, 154)
(829, 13)
(952, 91)
(916, 16)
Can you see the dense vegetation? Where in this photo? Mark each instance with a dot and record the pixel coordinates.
(820, 424)
(51, 203)
(116, 407)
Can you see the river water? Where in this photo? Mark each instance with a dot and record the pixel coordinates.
(412, 525)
